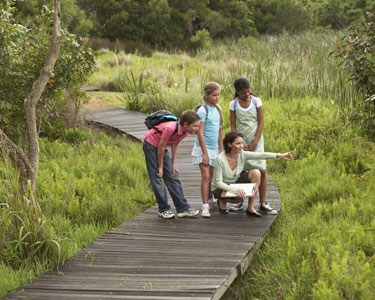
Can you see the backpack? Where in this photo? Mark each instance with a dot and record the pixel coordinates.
(236, 103)
(205, 107)
(158, 117)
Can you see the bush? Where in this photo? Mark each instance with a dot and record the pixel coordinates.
(357, 52)
(201, 39)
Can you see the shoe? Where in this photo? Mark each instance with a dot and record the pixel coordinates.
(267, 208)
(167, 214)
(235, 206)
(213, 204)
(188, 213)
(205, 213)
(253, 214)
(222, 211)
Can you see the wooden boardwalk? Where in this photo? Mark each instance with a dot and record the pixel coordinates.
(152, 258)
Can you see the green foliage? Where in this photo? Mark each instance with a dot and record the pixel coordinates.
(22, 54)
(87, 183)
(201, 40)
(357, 51)
(73, 18)
(285, 66)
(322, 246)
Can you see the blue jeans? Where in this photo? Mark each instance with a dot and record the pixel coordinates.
(171, 180)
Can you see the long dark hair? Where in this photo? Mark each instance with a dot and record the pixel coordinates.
(229, 139)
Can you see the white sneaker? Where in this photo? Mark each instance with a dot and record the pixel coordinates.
(206, 213)
(235, 206)
(167, 214)
(267, 208)
(188, 213)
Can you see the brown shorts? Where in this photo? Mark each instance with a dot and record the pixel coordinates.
(244, 178)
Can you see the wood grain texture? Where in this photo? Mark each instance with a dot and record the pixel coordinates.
(151, 258)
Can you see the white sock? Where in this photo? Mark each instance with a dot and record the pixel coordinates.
(205, 206)
(212, 200)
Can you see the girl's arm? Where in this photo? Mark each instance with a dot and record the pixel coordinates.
(232, 116)
(202, 142)
(174, 155)
(254, 143)
(220, 141)
(161, 148)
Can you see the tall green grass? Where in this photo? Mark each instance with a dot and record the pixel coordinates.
(283, 67)
(87, 183)
(323, 244)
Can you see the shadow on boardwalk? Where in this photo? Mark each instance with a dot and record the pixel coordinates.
(151, 258)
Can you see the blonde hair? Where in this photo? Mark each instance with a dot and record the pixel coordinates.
(209, 88)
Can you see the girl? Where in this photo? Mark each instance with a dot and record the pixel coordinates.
(247, 117)
(229, 168)
(209, 141)
(160, 165)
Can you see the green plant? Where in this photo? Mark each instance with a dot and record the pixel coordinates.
(201, 39)
(357, 51)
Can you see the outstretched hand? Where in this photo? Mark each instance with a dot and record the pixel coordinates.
(285, 156)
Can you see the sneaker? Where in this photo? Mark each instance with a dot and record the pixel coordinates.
(213, 204)
(167, 214)
(188, 213)
(235, 206)
(206, 213)
(267, 208)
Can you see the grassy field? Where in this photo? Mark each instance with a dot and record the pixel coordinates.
(87, 183)
(322, 245)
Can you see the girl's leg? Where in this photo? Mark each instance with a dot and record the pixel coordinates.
(205, 183)
(212, 169)
(263, 187)
(254, 177)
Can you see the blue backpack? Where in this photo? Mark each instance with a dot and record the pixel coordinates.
(158, 117)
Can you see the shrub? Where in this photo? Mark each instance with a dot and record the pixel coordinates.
(201, 39)
(357, 51)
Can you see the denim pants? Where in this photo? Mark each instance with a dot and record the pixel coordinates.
(171, 180)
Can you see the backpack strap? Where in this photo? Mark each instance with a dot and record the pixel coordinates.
(236, 103)
(174, 132)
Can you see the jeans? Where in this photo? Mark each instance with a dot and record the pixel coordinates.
(171, 180)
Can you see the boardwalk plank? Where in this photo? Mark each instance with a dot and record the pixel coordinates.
(152, 259)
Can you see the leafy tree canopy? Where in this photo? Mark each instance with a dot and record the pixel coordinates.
(22, 54)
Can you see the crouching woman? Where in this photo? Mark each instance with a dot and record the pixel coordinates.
(229, 168)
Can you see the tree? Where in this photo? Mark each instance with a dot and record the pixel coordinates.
(31, 160)
(357, 52)
(28, 63)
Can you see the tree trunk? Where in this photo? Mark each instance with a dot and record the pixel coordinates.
(36, 92)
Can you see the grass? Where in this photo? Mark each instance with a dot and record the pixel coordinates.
(283, 67)
(322, 245)
(87, 183)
